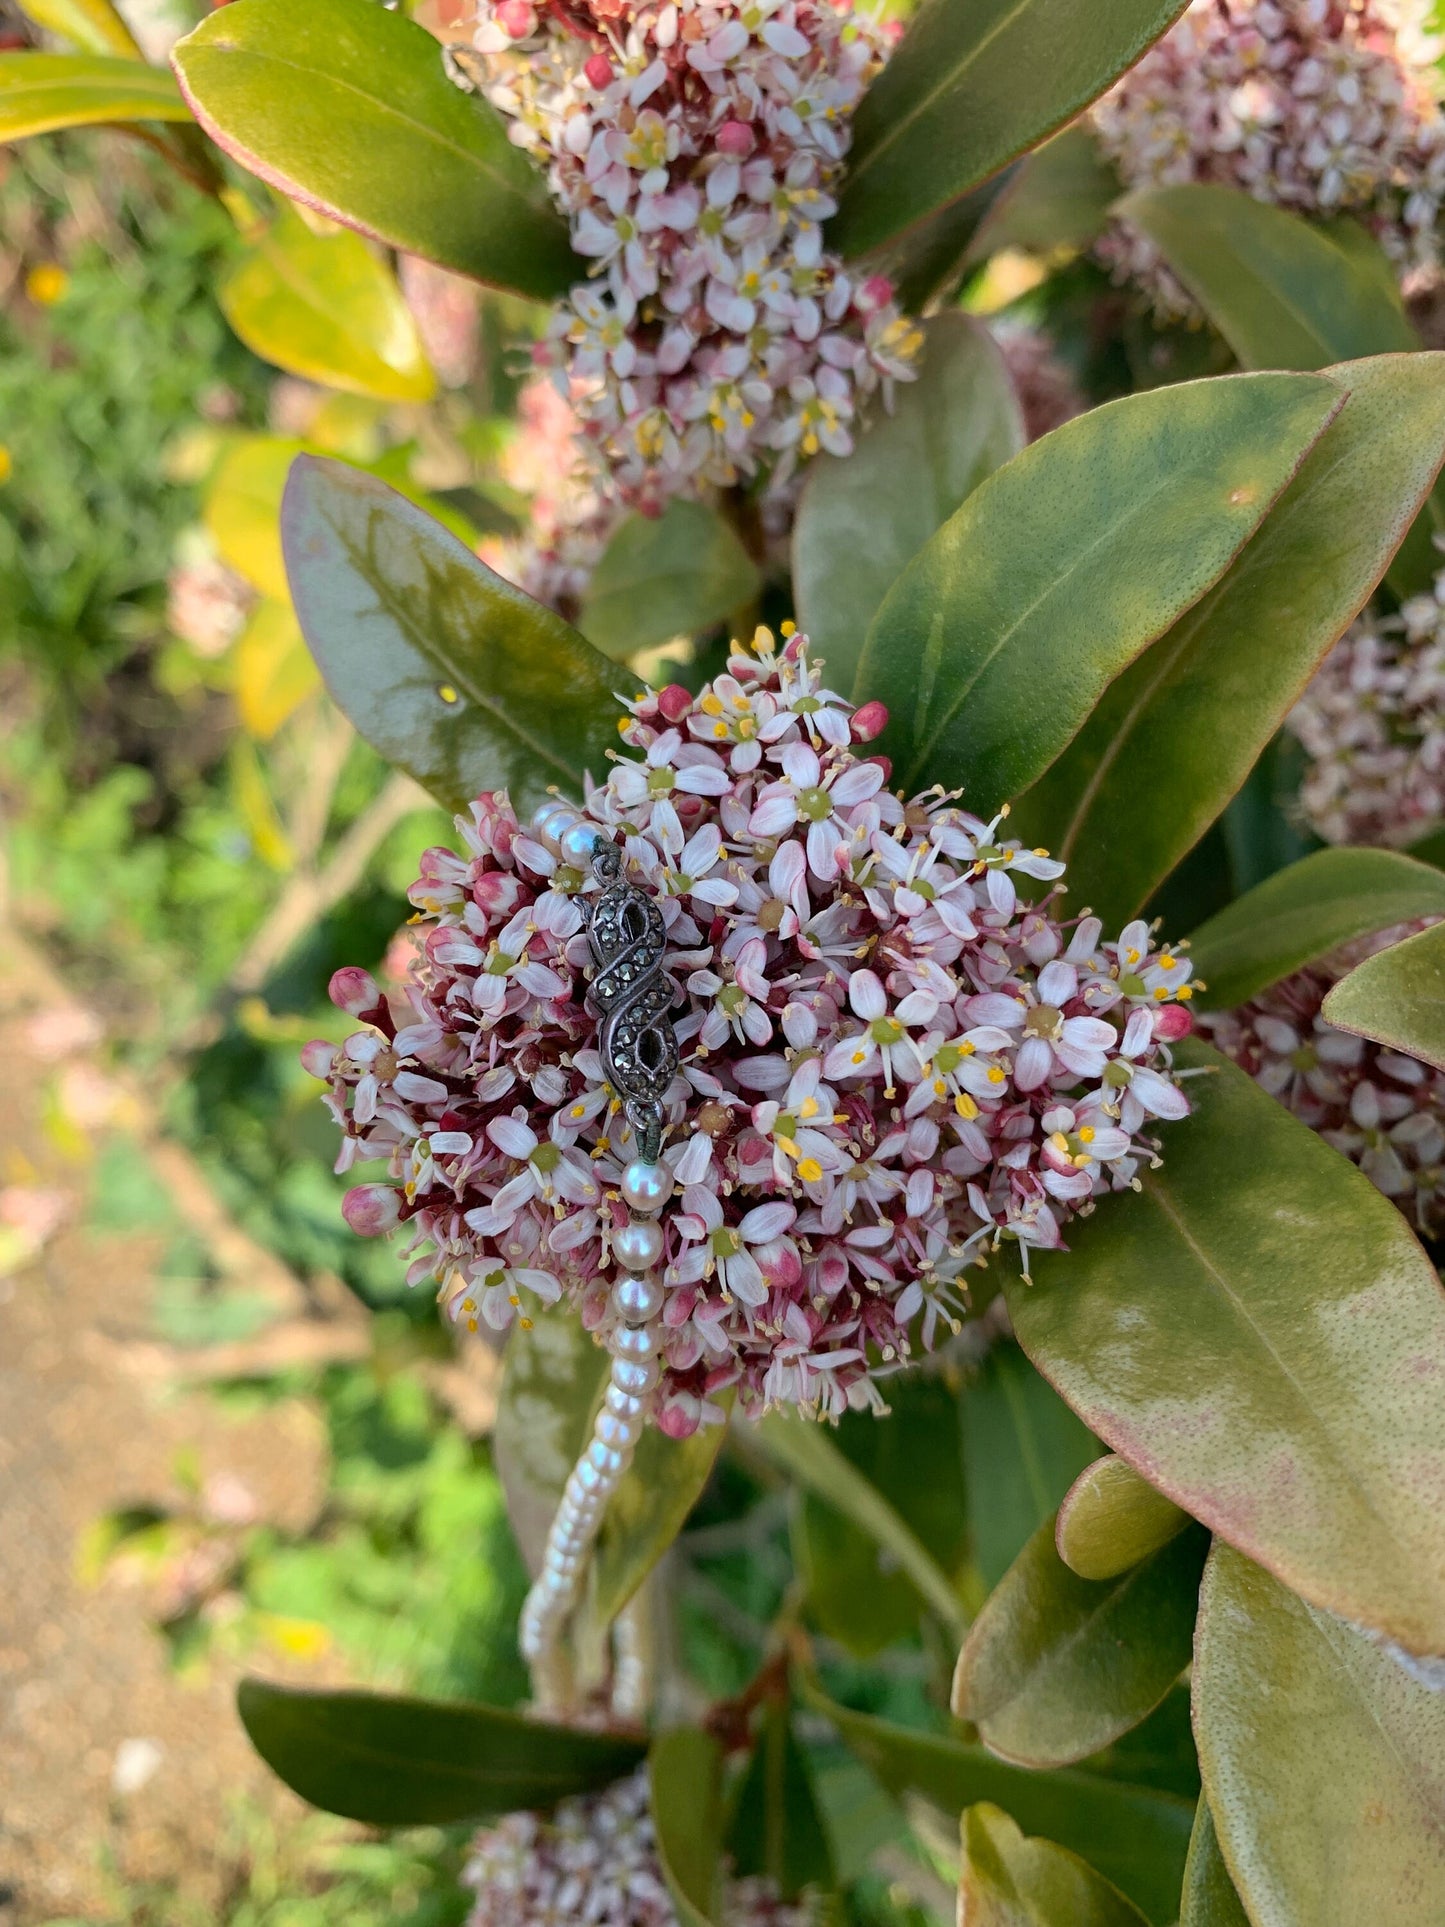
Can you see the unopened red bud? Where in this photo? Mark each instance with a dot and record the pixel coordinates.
(598, 70)
(317, 1057)
(674, 702)
(885, 763)
(371, 1209)
(868, 722)
(736, 139)
(516, 18)
(1171, 1022)
(355, 991)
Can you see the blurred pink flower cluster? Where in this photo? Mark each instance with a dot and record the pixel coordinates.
(1373, 725)
(1321, 106)
(596, 1862)
(1384, 1111)
(891, 1063)
(694, 147)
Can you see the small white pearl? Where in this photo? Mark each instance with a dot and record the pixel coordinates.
(638, 1245)
(646, 1187)
(553, 818)
(633, 1342)
(610, 1463)
(616, 1432)
(639, 1297)
(577, 841)
(626, 1404)
(635, 1376)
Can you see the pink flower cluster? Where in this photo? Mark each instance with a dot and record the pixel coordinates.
(1321, 106)
(1373, 725)
(1384, 1111)
(891, 1063)
(595, 1862)
(694, 146)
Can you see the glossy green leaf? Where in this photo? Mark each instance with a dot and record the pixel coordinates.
(92, 25)
(856, 1592)
(975, 83)
(1398, 997)
(649, 1509)
(1282, 291)
(1137, 1838)
(345, 106)
(1008, 1880)
(684, 1771)
(1259, 1334)
(863, 517)
(1059, 198)
(443, 667)
(323, 306)
(1000, 636)
(274, 673)
(1178, 733)
(400, 1762)
(1159, 1752)
(1302, 913)
(807, 1455)
(1324, 1760)
(1022, 1450)
(554, 1378)
(676, 574)
(242, 510)
(1056, 1667)
(1210, 1899)
(40, 92)
(926, 264)
(1111, 1519)
(777, 1829)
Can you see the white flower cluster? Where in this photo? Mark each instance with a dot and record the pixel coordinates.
(1373, 725)
(1321, 106)
(595, 1864)
(694, 147)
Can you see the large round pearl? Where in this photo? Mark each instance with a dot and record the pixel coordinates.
(638, 1245)
(578, 841)
(638, 1298)
(632, 1342)
(553, 818)
(646, 1187)
(635, 1377)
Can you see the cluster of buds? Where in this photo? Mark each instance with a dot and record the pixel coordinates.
(596, 1862)
(694, 146)
(1048, 395)
(890, 1063)
(1372, 723)
(1383, 1110)
(1324, 107)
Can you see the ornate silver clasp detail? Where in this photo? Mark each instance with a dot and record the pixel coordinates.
(633, 995)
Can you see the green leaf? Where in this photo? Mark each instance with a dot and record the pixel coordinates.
(274, 673)
(443, 667)
(777, 1829)
(40, 92)
(649, 1509)
(1007, 1880)
(1159, 1752)
(1178, 733)
(1136, 1837)
(856, 1593)
(1284, 292)
(1022, 1450)
(1210, 1899)
(1056, 1667)
(802, 1450)
(92, 25)
(399, 1762)
(675, 574)
(324, 307)
(1324, 1760)
(1059, 198)
(553, 1383)
(684, 1771)
(926, 264)
(345, 106)
(1000, 636)
(864, 517)
(1398, 997)
(1301, 914)
(973, 84)
(1111, 1519)
(1258, 1333)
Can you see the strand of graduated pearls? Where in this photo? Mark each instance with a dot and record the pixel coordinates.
(634, 1346)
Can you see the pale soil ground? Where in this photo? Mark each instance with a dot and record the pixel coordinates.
(85, 1427)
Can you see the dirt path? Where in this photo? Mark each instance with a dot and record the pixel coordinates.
(84, 1428)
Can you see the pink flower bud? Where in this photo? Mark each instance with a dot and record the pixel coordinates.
(317, 1057)
(876, 292)
(598, 70)
(885, 763)
(674, 702)
(354, 991)
(868, 722)
(371, 1209)
(680, 1416)
(515, 17)
(736, 138)
(1171, 1022)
